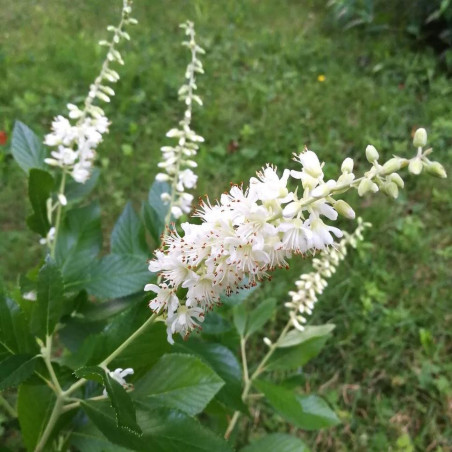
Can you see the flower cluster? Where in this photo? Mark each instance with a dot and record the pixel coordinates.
(309, 285)
(178, 159)
(250, 232)
(75, 144)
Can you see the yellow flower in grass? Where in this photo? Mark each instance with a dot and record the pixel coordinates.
(321, 78)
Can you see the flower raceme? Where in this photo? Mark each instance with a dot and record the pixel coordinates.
(177, 162)
(75, 144)
(249, 232)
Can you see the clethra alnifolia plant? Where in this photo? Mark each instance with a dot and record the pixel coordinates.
(85, 363)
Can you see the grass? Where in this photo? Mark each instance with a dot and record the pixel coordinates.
(388, 369)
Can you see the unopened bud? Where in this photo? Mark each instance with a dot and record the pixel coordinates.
(420, 138)
(371, 153)
(394, 177)
(321, 191)
(62, 199)
(347, 165)
(365, 186)
(391, 189)
(267, 341)
(436, 169)
(415, 166)
(392, 165)
(342, 208)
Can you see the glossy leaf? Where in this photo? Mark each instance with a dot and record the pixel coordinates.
(116, 276)
(299, 347)
(16, 369)
(128, 234)
(27, 148)
(76, 191)
(180, 381)
(306, 412)
(277, 442)
(15, 336)
(240, 318)
(225, 364)
(119, 398)
(49, 304)
(259, 316)
(296, 337)
(79, 242)
(40, 186)
(164, 430)
(154, 211)
(88, 438)
(34, 405)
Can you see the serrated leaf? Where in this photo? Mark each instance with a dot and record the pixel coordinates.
(49, 304)
(180, 381)
(225, 364)
(164, 429)
(27, 148)
(16, 369)
(296, 337)
(15, 336)
(116, 276)
(79, 242)
(40, 185)
(88, 438)
(154, 211)
(306, 412)
(259, 316)
(276, 442)
(128, 234)
(34, 405)
(119, 398)
(240, 318)
(76, 191)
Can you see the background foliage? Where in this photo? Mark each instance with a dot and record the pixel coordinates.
(387, 371)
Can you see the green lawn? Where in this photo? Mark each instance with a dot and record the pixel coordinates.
(387, 371)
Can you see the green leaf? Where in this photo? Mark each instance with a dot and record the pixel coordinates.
(15, 336)
(225, 364)
(27, 148)
(119, 398)
(164, 430)
(299, 347)
(180, 381)
(240, 318)
(76, 191)
(296, 337)
(40, 185)
(79, 242)
(128, 234)
(239, 296)
(16, 369)
(277, 442)
(215, 324)
(306, 412)
(88, 438)
(154, 211)
(259, 316)
(49, 304)
(34, 405)
(116, 276)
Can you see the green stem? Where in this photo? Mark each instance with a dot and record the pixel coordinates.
(7, 407)
(249, 380)
(57, 410)
(115, 353)
(58, 215)
(46, 354)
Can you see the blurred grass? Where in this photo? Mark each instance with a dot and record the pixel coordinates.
(389, 364)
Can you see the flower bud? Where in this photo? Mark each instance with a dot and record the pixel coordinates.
(342, 208)
(321, 191)
(415, 166)
(62, 199)
(436, 169)
(394, 177)
(420, 138)
(347, 165)
(371, 153)
(365, 186)
(267, 341)
(391, 189)
(392, 165)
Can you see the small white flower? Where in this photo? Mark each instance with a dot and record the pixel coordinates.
(119, 375)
